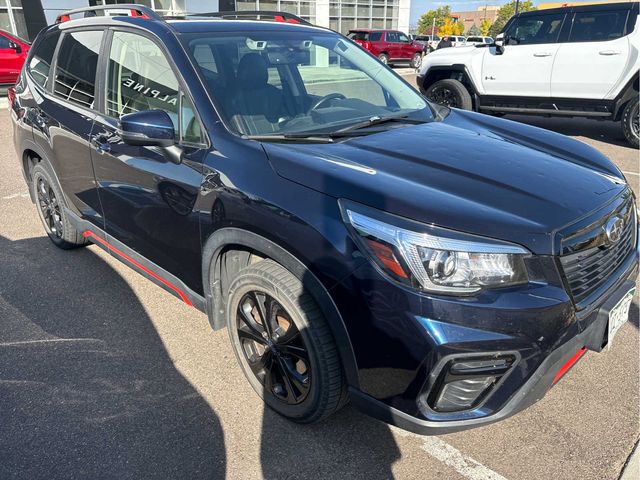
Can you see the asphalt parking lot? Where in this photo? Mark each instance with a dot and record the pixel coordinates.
(104, 375)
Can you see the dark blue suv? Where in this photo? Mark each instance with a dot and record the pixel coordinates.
(440, 269)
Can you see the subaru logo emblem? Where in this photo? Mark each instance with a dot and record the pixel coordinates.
(613, 229)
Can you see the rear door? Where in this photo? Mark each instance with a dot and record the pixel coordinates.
(62, 120)
(10, 61)
(392, 46)
(595, 54)
(148, 200)
(524, 66)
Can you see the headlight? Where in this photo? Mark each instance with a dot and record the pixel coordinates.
(435, 259)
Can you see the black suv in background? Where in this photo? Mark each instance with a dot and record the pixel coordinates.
(439, 268)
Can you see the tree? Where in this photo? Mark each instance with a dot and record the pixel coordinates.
(425, 23)
(506, 12)
(451, 28)
(485, 25)
(474, 30)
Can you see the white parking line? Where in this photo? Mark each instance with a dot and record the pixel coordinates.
(630, 173)
(15, 195)
(454, 458)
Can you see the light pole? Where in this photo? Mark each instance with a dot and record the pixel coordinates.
(517, 6)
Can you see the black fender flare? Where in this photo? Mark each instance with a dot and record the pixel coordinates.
(626, 94)
(215, 307)
(33, 146)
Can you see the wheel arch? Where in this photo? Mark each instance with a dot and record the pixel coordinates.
(32, 154)
(455, 72)
(630, 91)
(243, 244)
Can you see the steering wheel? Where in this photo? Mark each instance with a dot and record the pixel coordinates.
(327, 98)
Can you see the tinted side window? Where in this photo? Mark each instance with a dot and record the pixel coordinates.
(597, 26)
(40, 64)
(531, 30)
(4, 42)
(75, 78)
(375, 37)
(392, 37)
(140, 78)
(362, 36)
(403, 38)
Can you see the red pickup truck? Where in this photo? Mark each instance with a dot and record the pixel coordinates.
(13, 52)
(390, 46)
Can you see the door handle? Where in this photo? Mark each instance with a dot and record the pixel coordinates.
(609, 52)
(100, 143)
(542, 54)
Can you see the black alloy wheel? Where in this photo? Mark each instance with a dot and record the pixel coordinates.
(49, 208)
(631, 122)
(283, 343)
(450, 93)
(273, 347)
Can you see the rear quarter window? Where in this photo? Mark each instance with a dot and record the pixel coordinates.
(375, 37)
(40, 64)
(361, 36)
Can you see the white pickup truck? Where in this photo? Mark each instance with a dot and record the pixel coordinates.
(573, 61)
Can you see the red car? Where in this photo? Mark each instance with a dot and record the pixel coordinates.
(13, 52)
(390, 46)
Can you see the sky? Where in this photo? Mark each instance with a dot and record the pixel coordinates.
(418, 7)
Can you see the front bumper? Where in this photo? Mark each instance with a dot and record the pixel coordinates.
(555, 365)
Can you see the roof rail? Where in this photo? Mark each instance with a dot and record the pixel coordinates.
(267, 15)
(133, 11)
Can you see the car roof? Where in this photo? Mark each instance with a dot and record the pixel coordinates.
(585, 8)
(200, 25)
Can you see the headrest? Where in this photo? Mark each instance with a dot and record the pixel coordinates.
(252, 71)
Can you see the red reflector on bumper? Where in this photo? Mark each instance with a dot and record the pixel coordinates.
(569, 364)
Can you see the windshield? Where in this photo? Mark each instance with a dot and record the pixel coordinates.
(278, 83)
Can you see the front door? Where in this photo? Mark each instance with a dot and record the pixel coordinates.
(524, 67)
(149, 200)
(10, 61)
(594, 57)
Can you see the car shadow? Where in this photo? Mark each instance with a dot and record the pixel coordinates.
(601, 130)
(87, 389)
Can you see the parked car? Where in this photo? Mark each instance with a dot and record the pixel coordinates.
(390, 46)
(457, 40)
(479, 40)
(13, 52)
(440, 268)
(575, 61)
(429, 42)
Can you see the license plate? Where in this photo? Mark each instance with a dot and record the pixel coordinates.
(619, 314)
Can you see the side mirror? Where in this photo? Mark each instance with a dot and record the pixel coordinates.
(148, 128)
(500, 42)
(15, 46)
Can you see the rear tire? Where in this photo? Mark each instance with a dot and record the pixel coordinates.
(450, 93)
(291, 360)
(384, 58)
(51, 205)
(631, 122)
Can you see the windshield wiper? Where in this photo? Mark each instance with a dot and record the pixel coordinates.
(375, 120)
(291, 137)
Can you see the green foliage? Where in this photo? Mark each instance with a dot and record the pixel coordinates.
(474, 30)
(507, 11)
(426, 20)
(485, 26)
(450, 28)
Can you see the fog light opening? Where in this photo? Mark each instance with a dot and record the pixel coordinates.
(465, 382)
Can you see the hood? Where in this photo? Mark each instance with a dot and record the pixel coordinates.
(470, 172)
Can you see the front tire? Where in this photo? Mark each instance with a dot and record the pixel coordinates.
(416, 61)
(283, 343)
(51, 206)
(450, 93)
(631, 122)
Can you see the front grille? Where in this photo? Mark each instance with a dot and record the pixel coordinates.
(587, 267)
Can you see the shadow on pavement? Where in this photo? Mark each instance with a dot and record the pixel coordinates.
(600, 130)
(359, 446)
(87, 389)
